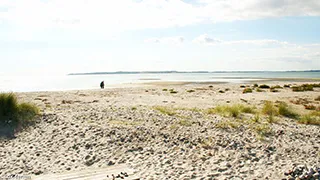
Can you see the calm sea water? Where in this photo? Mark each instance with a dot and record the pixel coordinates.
(77, 82)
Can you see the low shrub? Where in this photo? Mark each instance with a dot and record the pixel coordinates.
(264, 86)
(190, 91)
(276, 87)
(309, 107)
(221, 91)
(273, 90)
(259, 90)
(247, 90)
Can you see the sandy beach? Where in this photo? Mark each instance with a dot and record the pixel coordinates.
(166, 131)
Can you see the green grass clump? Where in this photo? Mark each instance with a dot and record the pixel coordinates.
(247, 90)
(259, 90)
(303, 87)
(269, 110)
(14, 114)
(309, 119)
(172, 91)
(286, 111)
(309, 106)
(276, 87)
(164, 89)
(232, 111)
(165, 110)
(261, 129)
(184, 122)
(273, 90)
(264, 86)
(190, 91)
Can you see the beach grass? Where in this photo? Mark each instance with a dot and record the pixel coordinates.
(309, 119)
(231, 111)
(270, 110)
(286, 111)
(16, 114)
(165, 110)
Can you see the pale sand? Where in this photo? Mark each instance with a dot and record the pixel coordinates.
(99, 128)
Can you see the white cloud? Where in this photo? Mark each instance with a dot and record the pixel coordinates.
(166, 40)
(120, 15)
(205, 39)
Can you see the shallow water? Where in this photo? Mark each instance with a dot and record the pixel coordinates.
(66, 82)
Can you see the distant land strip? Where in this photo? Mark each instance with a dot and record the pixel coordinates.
(180, 72)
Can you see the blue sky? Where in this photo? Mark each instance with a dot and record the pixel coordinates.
(60, 37)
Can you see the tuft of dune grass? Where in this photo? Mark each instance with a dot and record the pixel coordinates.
(16, 114)
(165, 110)
(287, 111)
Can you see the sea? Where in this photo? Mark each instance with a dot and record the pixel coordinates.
(32, 83)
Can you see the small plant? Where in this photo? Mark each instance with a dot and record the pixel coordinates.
(242, 86)
(264, 86)
(276, 87)
(165, 110)
(184, 122)
(286, 111)
(255, 85)
(164, 89)
(247, 109)
(210, 86)
(221, 91)
(310, 107)
(172, 91)
(297, 89)
(304, 87)
(309, 119)
(259, 90)
(307, 87)
(287, 85)
(233, 111)
(269, 110)
(14, 114)
(247, 90)
(256, 118)
(134, 108)
(227, 89)
(273, 90)
(190, 91)
(262, 129)
(226, 124)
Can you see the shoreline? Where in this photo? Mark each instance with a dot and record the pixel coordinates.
(182, 83)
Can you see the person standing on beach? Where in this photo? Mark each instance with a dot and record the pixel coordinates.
(102, 84)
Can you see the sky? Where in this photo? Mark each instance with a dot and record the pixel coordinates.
(48, 37)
